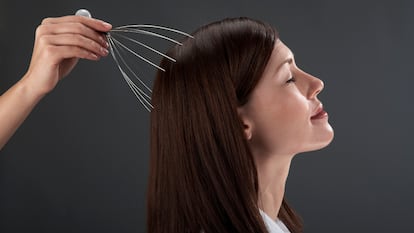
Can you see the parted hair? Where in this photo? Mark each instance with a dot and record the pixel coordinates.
(203, 176)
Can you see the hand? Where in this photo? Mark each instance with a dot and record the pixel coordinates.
(59, 44)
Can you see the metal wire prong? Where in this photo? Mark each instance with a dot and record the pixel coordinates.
(122, 42)
(132, 85)
(125, 76)
(137, 91)
(139, 31)
(130, 70)
(137, 55)
(146, 46)
(156, 27)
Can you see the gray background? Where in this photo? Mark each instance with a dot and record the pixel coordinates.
(79, 162)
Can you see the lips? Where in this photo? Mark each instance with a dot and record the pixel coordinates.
(320, 114)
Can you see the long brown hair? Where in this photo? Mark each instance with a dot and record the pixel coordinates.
(202, 174)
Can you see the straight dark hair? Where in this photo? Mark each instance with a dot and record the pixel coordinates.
(203, 176)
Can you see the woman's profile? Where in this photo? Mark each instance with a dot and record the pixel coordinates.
(228, 118)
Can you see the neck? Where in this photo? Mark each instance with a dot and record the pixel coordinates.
(272, 174)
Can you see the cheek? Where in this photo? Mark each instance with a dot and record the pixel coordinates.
(292, 119)
(284, 124)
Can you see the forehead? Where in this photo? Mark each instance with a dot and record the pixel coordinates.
(280, 54)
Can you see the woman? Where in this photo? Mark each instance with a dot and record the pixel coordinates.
(228, 118)
(59, 43)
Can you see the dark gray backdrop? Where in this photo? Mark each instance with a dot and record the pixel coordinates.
(79, 162)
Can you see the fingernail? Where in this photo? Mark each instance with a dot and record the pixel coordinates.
(104, 51)
(106, 25)
(104, 42)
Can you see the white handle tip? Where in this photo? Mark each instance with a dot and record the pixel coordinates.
(83, 12)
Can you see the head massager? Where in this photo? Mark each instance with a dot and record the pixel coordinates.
(117, 38)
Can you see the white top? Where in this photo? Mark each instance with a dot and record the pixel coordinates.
(274, 226)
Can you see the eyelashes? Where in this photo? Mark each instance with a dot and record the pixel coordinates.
(291, 80)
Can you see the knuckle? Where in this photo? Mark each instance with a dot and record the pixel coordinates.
(42, 39)
(46, 20)
(40, 30)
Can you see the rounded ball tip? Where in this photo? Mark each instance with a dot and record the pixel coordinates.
(83, 12)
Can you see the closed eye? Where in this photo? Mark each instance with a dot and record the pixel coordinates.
(291, 80)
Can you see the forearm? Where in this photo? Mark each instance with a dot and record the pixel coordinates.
(15, 105)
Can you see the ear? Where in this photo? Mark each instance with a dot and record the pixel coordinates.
(247, 123)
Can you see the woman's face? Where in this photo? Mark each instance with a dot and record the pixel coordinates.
(283, 115)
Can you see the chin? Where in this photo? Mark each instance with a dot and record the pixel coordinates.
(323, 140)
(320, 141)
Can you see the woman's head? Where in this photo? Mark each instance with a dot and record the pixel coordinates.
(283, 116)
(205, 125)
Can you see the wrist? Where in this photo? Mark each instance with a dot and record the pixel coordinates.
(30, 90)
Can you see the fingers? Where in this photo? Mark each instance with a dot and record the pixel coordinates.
(76, 42)
(67, 52)
(94, 24)
(80, 33)
(71, 28)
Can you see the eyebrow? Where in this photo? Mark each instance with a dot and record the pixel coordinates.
(287, 60)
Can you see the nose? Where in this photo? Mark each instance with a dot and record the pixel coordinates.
(315, 86)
